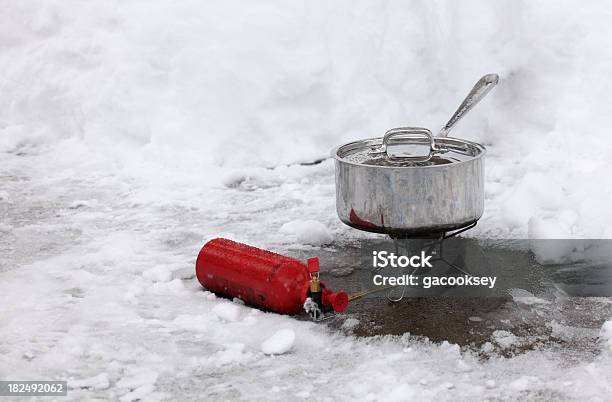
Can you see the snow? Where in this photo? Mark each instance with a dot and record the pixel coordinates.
(350, 323)
(98, 382)
(138, 394)
(279, 343)
(131, 133)
(82, 203)
(522, 383)
(505, 339)
(606, 334)
(565, 251)
(227, 311)
(158, 274)
(523, 296)
(307, 232)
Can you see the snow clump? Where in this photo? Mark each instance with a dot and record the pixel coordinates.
(309, 232)
(279, 343)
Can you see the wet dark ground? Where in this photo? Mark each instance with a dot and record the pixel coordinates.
(510, 322)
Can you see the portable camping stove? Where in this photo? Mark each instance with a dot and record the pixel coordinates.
(432, 244)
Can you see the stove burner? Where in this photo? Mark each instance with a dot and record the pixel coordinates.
(432, 235)
(431, 244)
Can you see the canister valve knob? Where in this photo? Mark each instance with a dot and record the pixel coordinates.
(321, 301)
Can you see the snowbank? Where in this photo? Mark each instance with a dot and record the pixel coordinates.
(194, 89)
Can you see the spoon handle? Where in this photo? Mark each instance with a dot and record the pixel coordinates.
(482, 87)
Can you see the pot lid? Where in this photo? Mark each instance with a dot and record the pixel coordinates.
(409, 147)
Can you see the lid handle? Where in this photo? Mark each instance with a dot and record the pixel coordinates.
(409, 133)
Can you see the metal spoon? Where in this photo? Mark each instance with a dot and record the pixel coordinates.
(482, 87)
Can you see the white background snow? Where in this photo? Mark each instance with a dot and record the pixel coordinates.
(131, 132)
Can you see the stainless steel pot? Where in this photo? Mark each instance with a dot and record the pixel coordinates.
(379, 189)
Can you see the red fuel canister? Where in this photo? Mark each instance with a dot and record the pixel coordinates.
(263, 279)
